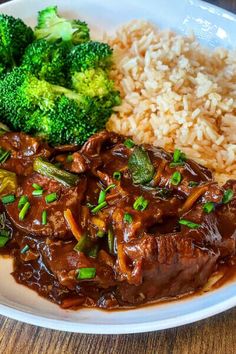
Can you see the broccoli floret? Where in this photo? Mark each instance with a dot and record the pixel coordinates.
(46, 61)
(58, 114)
(90, 55)
(53, 27)
(15, 35)
(92, 83)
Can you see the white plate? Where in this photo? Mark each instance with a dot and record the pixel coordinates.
(212, 26)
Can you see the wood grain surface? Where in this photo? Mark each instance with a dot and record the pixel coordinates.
(214, 336)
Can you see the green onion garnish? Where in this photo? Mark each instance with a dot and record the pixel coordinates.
(81, 245)
(129, 143)
(86, 273)
(140, 203)
(37, 192)
(99, 207)
(3, 240)
(190, 224)
(102, 196)
(50, 198)
(4, 155)
(100, 233)
(208, 207)
(49, 170)
(69, 158)
(44, 217)
(22, 201)
(7, 199)
(36, 186)
(110, 187)
(228, 196)
(110, 240)
(193, 184)
(24, 249)
(24, 211)
(128, 218)
(176, 178)
(117, 175)
(93, 251)
(179, 158)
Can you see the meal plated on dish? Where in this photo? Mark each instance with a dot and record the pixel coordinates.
(142, 211)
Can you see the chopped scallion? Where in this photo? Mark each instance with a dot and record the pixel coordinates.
(129, 143)
(110, 240)
(81, 245)
(50, 198)
(49, 170)
(110, 187)
(176, 178)
(228, 196)
(37, 186)
(140, 203)
(86, 273)
(24, 211)
(22, 201)
(24, 249)
(117, 175)
(208, 207)
(99, 207)
(44, 217)
(190, 224)
(102, 196)
(128, 218)
(37, 192)
(7, 199)
(179, 158)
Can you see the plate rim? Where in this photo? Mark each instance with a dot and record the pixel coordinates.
(92, 328)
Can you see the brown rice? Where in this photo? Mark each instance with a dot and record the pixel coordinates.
(176, 94)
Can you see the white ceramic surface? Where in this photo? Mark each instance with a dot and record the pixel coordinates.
(213, 27)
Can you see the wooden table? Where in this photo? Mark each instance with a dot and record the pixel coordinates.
(215, 335)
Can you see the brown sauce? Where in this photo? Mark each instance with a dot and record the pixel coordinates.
(136, 261)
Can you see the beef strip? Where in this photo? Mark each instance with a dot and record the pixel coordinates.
(24, 149)
(67, 198)
(150, 256)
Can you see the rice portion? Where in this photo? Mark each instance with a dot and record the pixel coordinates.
(176, 94)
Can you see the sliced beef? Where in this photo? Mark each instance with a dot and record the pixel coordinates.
(64, 261)
(168, 245)
(170, 265)
(56, 226)
(24, 149)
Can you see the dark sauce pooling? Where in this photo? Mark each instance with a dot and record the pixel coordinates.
(123, 226)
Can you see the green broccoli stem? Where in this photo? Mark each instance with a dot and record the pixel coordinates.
(59, 90)
(47, 169)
